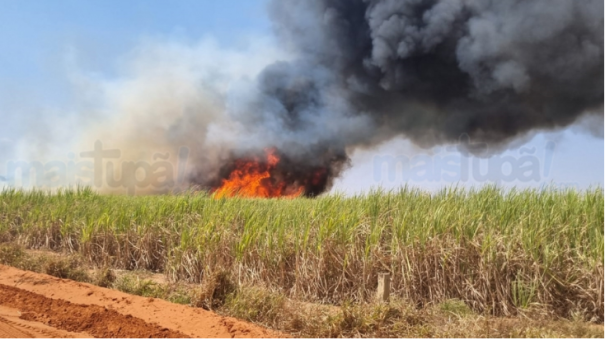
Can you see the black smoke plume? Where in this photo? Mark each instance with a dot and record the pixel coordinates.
(428, 70)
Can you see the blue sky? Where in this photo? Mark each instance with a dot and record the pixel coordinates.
(38, 37)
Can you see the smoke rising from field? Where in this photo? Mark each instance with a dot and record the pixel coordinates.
(355, 73)
(432, 71)
(173, 95)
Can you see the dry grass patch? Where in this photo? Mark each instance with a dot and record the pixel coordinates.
(396, 319)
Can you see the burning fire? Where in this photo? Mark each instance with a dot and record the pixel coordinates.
(258, 177)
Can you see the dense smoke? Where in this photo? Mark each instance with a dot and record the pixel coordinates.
(432, 71)
(347, 74)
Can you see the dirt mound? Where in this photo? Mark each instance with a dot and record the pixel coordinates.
(13, 326)
(95, 320)
(80, 310)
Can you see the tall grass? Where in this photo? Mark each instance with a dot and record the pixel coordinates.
(499, 251)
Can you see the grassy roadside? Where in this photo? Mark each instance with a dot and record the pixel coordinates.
(398, 318)
(500, 252)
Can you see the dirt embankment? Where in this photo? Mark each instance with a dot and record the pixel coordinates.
(38, 305)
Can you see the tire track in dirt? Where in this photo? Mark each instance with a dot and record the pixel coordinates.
(11, 325)
(74, 306)
(95, 320)
(8, 331)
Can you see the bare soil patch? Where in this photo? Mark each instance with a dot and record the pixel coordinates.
(13, 326)
(79, 309)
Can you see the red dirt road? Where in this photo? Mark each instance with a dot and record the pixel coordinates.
(35, 305)
(13, 326)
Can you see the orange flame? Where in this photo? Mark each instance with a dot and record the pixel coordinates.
(253, 178)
